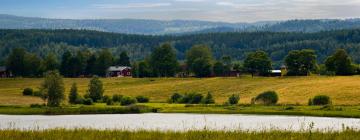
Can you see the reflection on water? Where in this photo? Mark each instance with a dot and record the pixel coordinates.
(176, 122)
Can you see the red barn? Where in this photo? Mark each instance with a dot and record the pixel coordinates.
(118, 71)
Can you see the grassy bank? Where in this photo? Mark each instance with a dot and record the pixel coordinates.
(321, 111)
(87, 134)
(73, 110)
(291, 90)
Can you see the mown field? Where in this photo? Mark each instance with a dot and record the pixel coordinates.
(292, 90)
(87, 134)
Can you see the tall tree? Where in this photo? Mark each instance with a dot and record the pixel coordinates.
(258, 62)
(300, 62)
(163, 61)
(53, 87)
(65, 60)
(219, 69)
(340, 63)
(96, 89)
(32, 65)
(91, 65)
(124, 59)
(73, 96)
(144, 70)
(16, 61)
(226, 60)
(51, 63)
(103, 62)
(199, 59)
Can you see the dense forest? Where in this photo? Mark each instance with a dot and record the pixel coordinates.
(235, 45)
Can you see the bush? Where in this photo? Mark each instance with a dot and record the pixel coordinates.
(37, 105)
(175, 98)
(109, 102)
(128, 100)
(192, 98)
(88, 101)
(142, 99)
(28, 92)
(80, 100)
(37, 93)
(320, 100)
(234, 99)
(208, 99)
(117, 97)
(267, 98)
(106, 98)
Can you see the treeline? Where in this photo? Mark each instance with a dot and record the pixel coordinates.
(82, 63)
(163, 62)
(199, 62)
(235, 45)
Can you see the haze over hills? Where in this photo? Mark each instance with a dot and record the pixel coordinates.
(159, 27)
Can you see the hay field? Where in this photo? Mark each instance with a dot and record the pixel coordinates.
(344, 90)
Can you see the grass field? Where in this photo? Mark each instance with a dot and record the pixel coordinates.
(87, 134)
(292, 90)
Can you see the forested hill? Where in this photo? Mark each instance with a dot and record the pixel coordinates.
(161, 27)
(236, 45)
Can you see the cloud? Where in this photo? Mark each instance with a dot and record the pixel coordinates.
(131, 5)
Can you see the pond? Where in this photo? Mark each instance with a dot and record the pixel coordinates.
(177, 122)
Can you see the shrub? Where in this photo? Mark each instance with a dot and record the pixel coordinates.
(37, 105)
(88, 101)
(117, 97)
(208, 99)
(128, 100)
(176, 97)
(192, 98)
(28, 92)
(109, 102)
(106, 98)
(80, 100)
(234, 99)
(142, 99)
(321, 100)
(267, 98)
(37, 93)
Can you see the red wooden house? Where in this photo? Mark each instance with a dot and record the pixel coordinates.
(118, 71)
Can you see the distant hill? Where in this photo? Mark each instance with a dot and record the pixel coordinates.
(128, 26)
(159, 27)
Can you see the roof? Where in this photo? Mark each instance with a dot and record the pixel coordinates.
(118, 68)
(2, 68)
(275, 71)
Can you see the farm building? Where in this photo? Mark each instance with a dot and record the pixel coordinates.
(4, 72)
(118, 71)
(281, 72)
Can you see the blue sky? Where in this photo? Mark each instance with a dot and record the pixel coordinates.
(211, 10)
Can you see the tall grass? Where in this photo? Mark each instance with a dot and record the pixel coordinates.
(89, 134)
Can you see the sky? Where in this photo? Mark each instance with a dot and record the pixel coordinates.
(209, 10)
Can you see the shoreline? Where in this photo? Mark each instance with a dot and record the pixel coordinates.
(306, 111)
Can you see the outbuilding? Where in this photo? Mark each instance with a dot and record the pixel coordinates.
(118, 71)
(4, 73)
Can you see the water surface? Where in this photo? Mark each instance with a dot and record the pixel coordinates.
(176, 122)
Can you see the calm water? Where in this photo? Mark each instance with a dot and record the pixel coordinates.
(175, 122)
